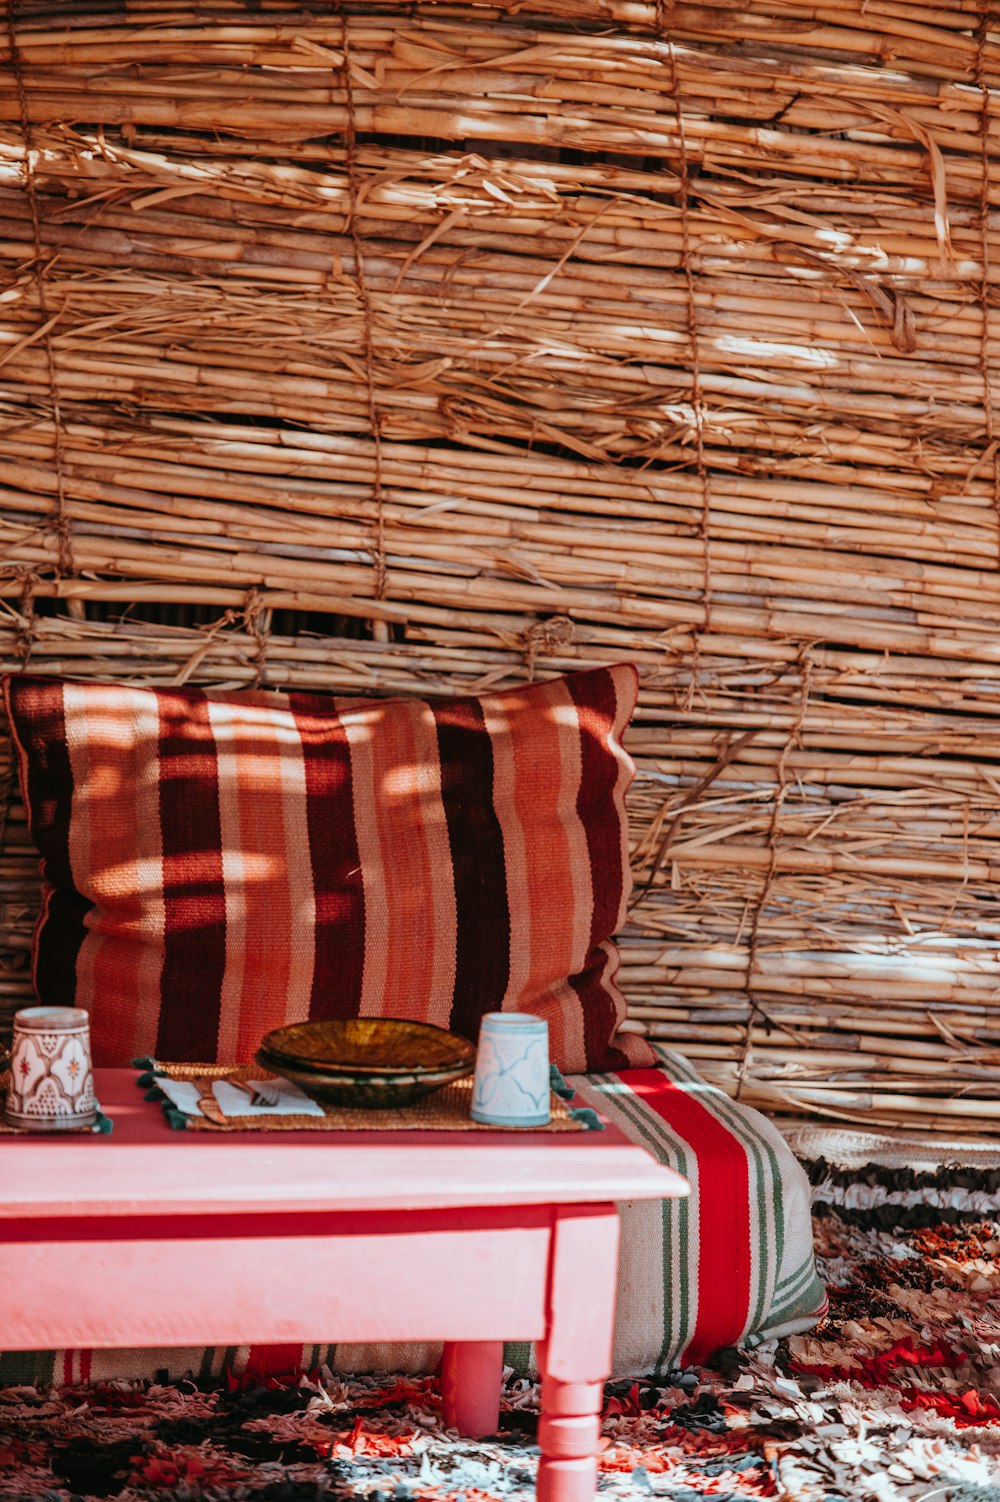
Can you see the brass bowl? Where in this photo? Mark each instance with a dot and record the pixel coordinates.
(367, 1063)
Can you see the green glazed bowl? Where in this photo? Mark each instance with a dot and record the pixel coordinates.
(367, 1063)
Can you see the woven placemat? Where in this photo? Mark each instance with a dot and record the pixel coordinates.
(101, 1128)
(446, 1110)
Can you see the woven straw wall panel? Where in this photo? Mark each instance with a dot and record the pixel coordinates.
(426, 347)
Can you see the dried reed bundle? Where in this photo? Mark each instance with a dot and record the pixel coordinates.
(607, 330)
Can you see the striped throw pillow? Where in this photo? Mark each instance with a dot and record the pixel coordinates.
(217, 864)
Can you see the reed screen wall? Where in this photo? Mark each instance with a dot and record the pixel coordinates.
(427, 347)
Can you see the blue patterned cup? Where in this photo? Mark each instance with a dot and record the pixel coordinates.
(511, 1086)
(51, 1085)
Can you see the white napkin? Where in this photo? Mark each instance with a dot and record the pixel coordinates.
(183, 1095)
(235, 1102)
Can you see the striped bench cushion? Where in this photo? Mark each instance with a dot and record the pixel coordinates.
(733, 1264)
(219, 864)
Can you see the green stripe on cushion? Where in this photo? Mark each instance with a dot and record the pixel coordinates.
(743, 1126)
(666, 1144)
(801, 1275)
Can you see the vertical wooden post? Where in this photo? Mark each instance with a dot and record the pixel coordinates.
(575, 1359)
(471, 1375)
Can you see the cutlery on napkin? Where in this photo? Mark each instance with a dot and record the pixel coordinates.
(232, 1101)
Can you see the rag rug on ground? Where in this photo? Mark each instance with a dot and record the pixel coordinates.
(896, 1397)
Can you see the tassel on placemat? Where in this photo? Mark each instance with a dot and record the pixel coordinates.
(558, 1083)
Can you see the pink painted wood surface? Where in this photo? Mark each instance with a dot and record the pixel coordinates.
(146, 1167)
(581, 1327)
(471, 1375)
(575, 1357)
(193, 1238)
(448, 1281)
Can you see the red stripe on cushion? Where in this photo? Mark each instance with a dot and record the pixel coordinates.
(397, 808)
(274, 1361)
(378, 919)
(35, 709)
(602, 1007)
(429, 817)
(194, 897)
(59, 935)
(118, 967)
(482, 959)
(266, 872)
(544, 918)
(602, 715)
(333, 845)
(596, 700)
(724, 1266)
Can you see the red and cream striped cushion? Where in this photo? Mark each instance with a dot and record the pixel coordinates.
(733, 1263)
(217, 864)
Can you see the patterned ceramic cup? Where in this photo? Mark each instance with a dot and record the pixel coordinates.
(511, 1087)
(51, 1080)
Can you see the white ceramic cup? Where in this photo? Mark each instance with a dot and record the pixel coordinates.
(51, 1078)
(511, 1085)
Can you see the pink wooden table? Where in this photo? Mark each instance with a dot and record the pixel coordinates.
(160, 1238)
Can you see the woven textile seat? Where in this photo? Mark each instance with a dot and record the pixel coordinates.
(733, 1264)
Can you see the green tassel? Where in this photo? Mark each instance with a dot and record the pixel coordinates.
(590, 1119)
(558, 1084)
(149, 1072)
(103, 1126)
(584, 1114)
(176, 1118)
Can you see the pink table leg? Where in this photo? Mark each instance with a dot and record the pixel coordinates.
(575, 1360)
(471, 1376)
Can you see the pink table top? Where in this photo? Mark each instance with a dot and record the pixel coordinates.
(147, 1168)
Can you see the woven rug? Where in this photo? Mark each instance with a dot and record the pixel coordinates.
(896, 1398)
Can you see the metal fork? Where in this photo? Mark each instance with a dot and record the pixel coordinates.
(263, 1093)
